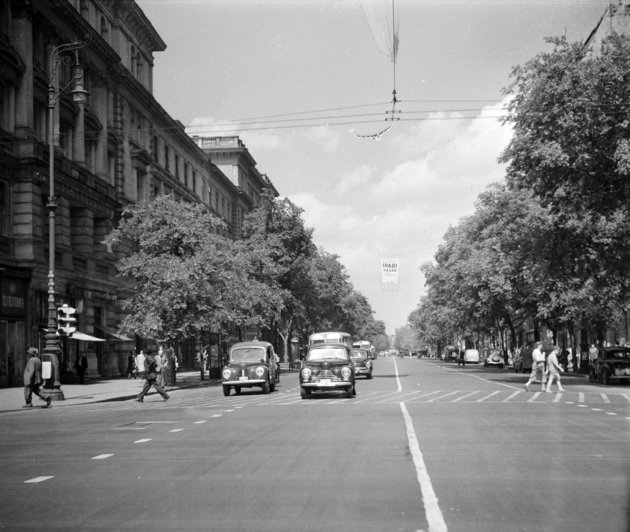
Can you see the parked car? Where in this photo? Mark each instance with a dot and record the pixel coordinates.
(523, 360)
(471, 356)
(612, 363)
(362, 362)
(493, 358)
(249, 365)
(327, 367)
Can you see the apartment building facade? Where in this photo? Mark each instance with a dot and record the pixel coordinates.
(117, 146)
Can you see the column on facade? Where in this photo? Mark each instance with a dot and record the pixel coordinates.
(23, 41)
(82, 231)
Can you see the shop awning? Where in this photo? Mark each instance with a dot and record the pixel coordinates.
(82, 337)
(113, 336)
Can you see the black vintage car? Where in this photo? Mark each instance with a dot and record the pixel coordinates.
(250, 364)
(362, 362)
(612, 363)
(327, 367)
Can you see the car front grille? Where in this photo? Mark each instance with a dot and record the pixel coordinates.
(327, 374)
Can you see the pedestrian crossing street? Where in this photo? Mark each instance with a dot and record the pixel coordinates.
(291, 396)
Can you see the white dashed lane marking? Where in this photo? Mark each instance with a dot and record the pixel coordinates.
(102, 456)
(37, 479)
(143, 440)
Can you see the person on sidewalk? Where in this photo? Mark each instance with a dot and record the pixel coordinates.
(140, 364)
(151, 375)
(33, 379)
(132, 370)
(80, 366)
(554, 369)
(538, 365)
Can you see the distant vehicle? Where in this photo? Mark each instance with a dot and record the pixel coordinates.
(493, 358)
(327, 367)
(362, 362)
(612, 363)
(471, 356)
(523, 360)
(250, 364)
(330, 338)
(367, 345)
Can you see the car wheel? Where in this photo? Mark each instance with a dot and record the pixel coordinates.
(304, 393)
(349, 393)
(237, 389)
(226, 390)
(591, 375)
(369, 375)
(500, 366)
(605, 377)
(266, 387)
(272, 386)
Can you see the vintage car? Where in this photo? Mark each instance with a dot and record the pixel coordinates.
(363, 364)
(523, 360)
(612, 363)
(493, 358)
(250, 364)
(327, 367)
(471, 356)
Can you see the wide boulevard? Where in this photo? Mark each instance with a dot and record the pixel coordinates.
(424, 446)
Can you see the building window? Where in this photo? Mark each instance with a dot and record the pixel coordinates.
(104, 29)
(5, 209)
(167, 157)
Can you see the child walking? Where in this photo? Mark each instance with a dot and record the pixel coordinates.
(554, 368)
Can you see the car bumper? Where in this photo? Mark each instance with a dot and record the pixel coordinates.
(332, 385)
(363, 371)
(248, 382)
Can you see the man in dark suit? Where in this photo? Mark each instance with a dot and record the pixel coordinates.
(33, 378)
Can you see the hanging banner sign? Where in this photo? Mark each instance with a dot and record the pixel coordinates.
(389, 271)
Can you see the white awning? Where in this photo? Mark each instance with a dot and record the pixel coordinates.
(114, 336)
(82, 337)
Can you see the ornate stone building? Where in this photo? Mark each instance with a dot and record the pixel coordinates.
(113, 147)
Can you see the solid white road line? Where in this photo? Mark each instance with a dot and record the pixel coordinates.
(429, 499)
(397, 377)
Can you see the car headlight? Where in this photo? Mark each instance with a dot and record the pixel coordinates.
(226, 374)
(260, 371)
(345, 373)
(306, 374)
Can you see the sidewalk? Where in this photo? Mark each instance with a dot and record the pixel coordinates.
(98, 391)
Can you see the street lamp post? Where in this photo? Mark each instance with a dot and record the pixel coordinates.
(78, 94)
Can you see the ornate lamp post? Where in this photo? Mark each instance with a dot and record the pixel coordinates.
(78, 95)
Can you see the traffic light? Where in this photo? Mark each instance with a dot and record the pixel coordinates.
(66, 320)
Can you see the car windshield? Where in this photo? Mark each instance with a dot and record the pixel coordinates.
(618, 355)
(247, 354)
(330, 353)
(358, 354)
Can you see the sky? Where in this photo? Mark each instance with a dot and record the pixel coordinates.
(305, 84)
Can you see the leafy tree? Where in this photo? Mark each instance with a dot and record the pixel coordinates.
(570, 109)
(277, 231)
(186, 277)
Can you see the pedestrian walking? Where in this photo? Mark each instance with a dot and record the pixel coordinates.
(80, 366)
(140, 364)
(554, 369)
(160, 358)
(33, 379)
(538, 365)
(132, 370)
(151, 375)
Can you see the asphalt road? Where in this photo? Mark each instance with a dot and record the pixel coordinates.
(423, 446)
